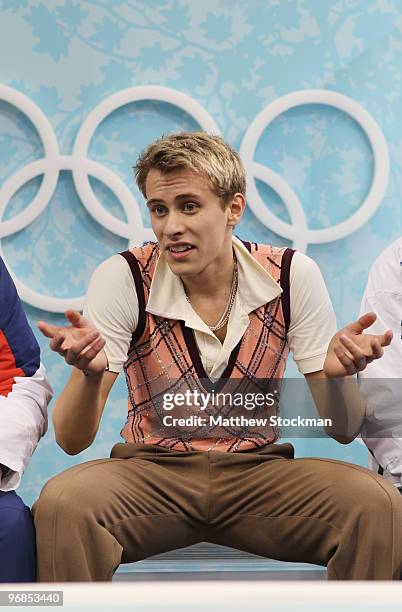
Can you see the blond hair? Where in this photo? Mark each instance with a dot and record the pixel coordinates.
(198, 151)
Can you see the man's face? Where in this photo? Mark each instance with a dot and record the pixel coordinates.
(188, 219)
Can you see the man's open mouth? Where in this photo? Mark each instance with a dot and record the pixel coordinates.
(180, 249)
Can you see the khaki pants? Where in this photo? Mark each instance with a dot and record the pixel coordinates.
(147, 499)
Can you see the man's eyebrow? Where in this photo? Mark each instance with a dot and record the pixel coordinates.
(181, 196)
(186, 196)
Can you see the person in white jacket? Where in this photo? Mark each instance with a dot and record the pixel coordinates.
(24, 395)
(381, 381)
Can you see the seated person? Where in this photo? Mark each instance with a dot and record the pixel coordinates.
(24, 395)
(189, 312)
(383, 429)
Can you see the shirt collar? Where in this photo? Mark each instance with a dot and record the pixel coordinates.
(167, 297)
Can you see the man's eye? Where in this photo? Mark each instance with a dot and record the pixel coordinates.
(158, 210)
(190, 206)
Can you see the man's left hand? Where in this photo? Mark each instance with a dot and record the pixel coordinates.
(350, 351)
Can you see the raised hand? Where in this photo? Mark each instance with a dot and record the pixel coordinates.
(81, 344)
(350, 351)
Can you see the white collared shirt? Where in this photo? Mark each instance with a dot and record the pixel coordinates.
(171, 303)
(383, 295)
(111, 304)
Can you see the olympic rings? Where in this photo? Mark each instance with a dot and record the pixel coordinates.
(133, 229)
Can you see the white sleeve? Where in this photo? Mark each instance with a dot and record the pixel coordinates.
(381, 381)
(23, 420)
(312, 317)
(111, 304)
(388, 308)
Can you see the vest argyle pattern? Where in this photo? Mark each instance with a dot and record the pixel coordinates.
(163, 358)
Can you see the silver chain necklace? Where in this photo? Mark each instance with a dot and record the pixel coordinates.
(226, 313)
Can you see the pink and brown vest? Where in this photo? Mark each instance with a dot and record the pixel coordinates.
(163, 359)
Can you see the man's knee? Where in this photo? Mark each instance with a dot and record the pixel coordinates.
(354, 492)
(374, 500)
(66, 497)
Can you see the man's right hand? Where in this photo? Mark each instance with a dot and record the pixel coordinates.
(81, 344)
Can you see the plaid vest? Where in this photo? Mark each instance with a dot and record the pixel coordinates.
(163, 361)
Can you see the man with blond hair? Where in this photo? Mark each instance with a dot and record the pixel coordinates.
(199, 311)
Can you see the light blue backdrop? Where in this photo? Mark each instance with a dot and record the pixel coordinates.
(233, 58)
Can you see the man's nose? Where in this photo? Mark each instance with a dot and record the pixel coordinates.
(173, 224)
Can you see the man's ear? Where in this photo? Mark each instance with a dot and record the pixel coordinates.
(236, 208)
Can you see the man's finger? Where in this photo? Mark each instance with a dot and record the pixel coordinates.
(47, 330)
(358, 356)
(345, 360)
(362, 323)
(76, 319)
(386, 338)
(56, 342)
(376, 348)
(81, 346)
(85, 359)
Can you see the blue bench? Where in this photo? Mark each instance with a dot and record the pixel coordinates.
(206, 561)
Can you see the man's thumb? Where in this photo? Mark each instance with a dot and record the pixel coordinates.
(362, 323)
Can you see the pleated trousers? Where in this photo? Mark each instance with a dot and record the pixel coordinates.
(146, 500)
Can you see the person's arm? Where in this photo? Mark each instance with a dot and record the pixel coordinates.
(328, 358)
(78, 410)
(96, 347)
(335, 392)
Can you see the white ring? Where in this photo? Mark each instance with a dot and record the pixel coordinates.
(81, 167)
(14, 182)
(378, 185)
(131, 231)
(92, 122)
